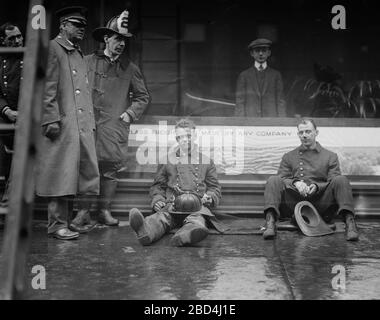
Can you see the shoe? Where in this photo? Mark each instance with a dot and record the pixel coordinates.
(81, 228)
(137, 223)
(106, 218)
(83, 218)
(82, 222)
(65, 234)
(189, 234)
(270, 229)
(352, 233)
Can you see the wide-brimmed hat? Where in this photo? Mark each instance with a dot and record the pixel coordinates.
(117, 25)
(76, 14)
(309, 220)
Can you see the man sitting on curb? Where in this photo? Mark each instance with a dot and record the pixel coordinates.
(309, 172)
(188, 183)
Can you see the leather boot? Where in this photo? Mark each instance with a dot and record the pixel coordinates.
(105, 217)
(82, 222)
(190, 233)
(270, 229)
(107, 193)
(151, 228)
(352, 233)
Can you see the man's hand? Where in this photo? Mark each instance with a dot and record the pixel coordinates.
(52, 130)
(312, 189)
(159, 205)
(206, 199)
(125, 117)
(302, 188)
(11, 115)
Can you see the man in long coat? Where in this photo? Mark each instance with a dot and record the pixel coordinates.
(10, 77)
(187, 171)
(120, 97)
(259, 89)
(67, 155)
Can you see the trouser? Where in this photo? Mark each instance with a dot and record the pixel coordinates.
(59, 212)
(335, 198)
(108, 184)
(160, 223)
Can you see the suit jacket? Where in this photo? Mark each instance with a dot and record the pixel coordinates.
(316, 166)
(255, 98)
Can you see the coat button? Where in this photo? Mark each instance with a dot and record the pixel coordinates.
(301, 163)
(301, 174)
(80, 110)
(5, 77)
(77, 91)
(301, 169)
(74, 72)
(300, 152)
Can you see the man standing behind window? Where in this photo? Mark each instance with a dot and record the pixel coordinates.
(259, 90)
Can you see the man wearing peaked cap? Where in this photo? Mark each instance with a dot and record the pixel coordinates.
(72, 14)
(67, 156)
(120, 97)
(259, 89)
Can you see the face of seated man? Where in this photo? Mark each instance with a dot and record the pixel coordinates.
(307, 134)
(186, 139)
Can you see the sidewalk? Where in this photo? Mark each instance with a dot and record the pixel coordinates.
(109, 263)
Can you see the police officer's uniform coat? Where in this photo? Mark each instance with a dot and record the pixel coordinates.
(67, 164)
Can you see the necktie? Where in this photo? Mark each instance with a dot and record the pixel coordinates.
(261, 68)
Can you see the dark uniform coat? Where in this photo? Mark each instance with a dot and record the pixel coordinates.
(117, 87)
(316, 166)
(200, 178)
(10, 76)
(67, 164)
(260, 94)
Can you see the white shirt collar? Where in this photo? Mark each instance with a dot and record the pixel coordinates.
(257, 65)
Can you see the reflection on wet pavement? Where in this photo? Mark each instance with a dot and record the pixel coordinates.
(109, 263)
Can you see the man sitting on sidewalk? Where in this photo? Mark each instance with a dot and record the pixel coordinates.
(309, 172)
(188, 183)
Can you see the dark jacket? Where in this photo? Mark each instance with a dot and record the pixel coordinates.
(117, 87)
(317, 166)
(10, 76)
(67, 165)
(255, 98)
(200, 178)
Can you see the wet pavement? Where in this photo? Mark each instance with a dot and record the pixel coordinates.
(109, 263)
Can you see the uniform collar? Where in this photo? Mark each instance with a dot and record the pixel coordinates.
(68, 45)
(123, 64)
(195, 153)
(317, 148)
